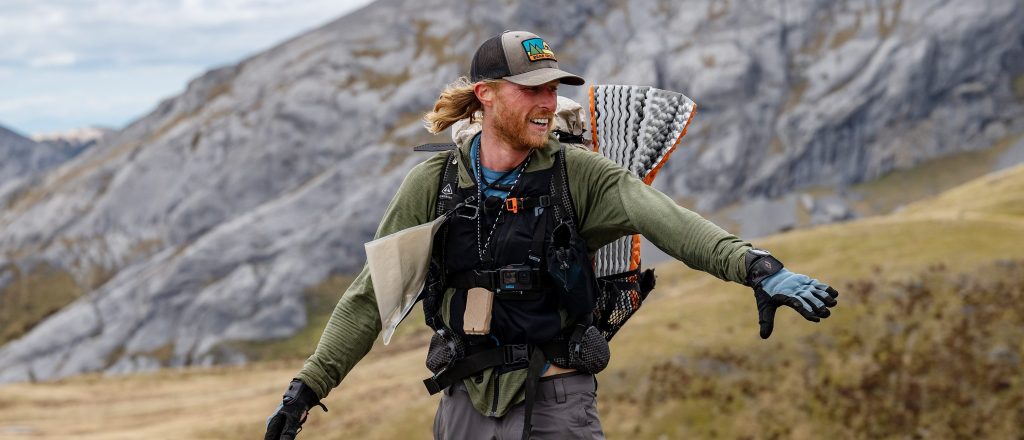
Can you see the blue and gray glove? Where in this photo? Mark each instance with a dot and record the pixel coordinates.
(287, 419)
(775, 286)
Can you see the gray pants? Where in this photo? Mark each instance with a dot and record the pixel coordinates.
(565, 408)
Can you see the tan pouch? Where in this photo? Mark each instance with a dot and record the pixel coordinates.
(477, 319)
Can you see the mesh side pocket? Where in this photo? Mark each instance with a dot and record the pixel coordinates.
(619, 297)
(444, 347)
(593, 355)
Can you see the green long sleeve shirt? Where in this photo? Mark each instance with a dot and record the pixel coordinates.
(610, 203)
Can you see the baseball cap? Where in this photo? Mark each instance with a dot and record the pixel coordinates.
(520, 57)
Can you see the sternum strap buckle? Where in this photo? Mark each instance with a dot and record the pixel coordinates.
(516, 354)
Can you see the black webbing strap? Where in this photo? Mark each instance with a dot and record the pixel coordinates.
(516, 204)
(435, 147)
(533, 372)
(569, 138)
(507, 355)
(492, 279)
(537, 246)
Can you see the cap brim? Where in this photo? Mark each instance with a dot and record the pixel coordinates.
(544, 76)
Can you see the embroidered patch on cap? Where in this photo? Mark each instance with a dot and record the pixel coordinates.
(538, 50)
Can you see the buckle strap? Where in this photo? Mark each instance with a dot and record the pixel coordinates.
(515, 204)
(512, 355)
(760, 265)
(516, 353)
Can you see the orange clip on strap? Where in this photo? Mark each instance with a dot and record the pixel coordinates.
(512, 205)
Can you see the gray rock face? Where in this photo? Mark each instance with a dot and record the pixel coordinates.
(804, 94)
(217, 209)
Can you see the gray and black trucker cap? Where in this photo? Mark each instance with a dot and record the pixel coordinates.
(519, 57)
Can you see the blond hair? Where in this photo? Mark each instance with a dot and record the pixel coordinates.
(457, 102)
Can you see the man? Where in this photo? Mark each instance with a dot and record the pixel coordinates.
(514, 351)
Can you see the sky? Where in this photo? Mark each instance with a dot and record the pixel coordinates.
(66, 64)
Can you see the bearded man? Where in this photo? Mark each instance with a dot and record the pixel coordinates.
(511, 289)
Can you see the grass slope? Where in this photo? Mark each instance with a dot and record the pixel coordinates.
(31, 297)
(925, 343)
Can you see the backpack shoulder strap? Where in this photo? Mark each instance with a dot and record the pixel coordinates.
(449, 182)
(565, 208)
(433, 289)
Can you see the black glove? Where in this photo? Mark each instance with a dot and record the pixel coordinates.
(287, 420)
(775, 286)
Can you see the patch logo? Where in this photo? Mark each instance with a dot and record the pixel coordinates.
(538, 50)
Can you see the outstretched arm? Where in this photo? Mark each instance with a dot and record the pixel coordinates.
(613, 203)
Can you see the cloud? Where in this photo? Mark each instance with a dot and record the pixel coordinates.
(61, 99)
(59, 59)
(125, 31)
(99, 47)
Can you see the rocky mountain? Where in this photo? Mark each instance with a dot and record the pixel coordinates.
(22, 157)
(200, 224)
(12, 140)
(74, 141)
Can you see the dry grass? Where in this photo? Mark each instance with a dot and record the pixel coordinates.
(889, 17)
(929, 179)
(221, 88)
(408, 141)
(381, 81)
(795, 97)
(368, 52)
(814, 46)
(33, 296)
(145, 248)
(1018, 87)
(777, 147)
(218, 403)
(932, 354)
(844, 35)
(440, 48)
(717, 9)
(708, 60)
(995, 196)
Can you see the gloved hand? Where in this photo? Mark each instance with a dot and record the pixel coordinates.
(808, 296)
(287, 419)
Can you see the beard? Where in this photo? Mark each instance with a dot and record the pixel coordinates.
(515, 129)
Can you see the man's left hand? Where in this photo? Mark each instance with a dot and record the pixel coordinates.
(808, 296)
